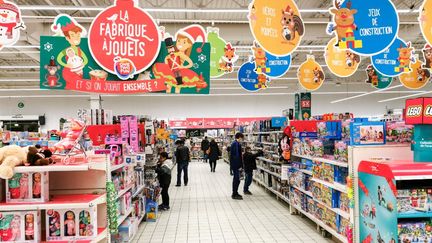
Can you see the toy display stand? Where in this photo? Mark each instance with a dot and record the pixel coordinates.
(395, 201)
(66, 193)
(357, 154)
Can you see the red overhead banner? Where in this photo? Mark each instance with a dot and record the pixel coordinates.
(213, 123)
(118, 87)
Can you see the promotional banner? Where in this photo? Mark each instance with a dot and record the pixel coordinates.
(376, 79)
(425, 20)
(123, 39)
(394, 60)
(342, 63)
(276, 25)
(67, 63)
(418, 111)
(11, 24)
(306, 105)
(310, 74)
(250, 80)
(365, 27)
(223, 54)
(277, 66)
(417, 78)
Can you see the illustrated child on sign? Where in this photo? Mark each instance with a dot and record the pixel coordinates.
(72, 59)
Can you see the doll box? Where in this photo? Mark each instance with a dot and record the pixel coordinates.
(27, 187)
(71, 225)
(20, 226)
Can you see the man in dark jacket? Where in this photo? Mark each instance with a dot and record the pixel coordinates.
(236, 163)
(214, 155)
(249, 165)
(182, 158)
(163, 171)
(205, 145)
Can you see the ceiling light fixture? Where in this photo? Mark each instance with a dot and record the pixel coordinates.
(406, 96)
(369, 93)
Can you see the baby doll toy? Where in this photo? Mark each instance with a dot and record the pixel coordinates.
(69, 137)
(54, 223)
(24, 184)
(69, 224)
(37, 185)
(29, 227)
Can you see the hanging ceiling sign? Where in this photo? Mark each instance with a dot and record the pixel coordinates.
(276, 25)
(425, 20)
(310, 74)
(124, 39)
(394, 60)
(250, 80)
(376, 79)
(342, 63)
(11, 24)
(417, 78)
(223, 54)
(365, 27)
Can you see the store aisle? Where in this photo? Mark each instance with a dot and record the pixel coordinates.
(204, 212)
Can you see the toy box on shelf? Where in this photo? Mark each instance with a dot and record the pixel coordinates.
(394, 201)
(27, 187)
(20, 226)
(70, 224)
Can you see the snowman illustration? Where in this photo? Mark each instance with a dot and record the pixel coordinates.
(10, 23)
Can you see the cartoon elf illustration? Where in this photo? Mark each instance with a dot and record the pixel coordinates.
(185, 38)
(73, 32)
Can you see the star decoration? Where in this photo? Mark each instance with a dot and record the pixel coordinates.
(48, 47)
(196, 65)
(202, 58)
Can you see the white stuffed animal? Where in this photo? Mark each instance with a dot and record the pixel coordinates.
(11, 156)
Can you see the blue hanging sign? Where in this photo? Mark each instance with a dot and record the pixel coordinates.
(277, 66)
(249, 79)
(365, 27)
(395, 60)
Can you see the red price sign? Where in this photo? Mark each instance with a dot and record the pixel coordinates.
(305, 104)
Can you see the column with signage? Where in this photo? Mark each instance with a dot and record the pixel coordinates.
(418, 112)
(303, 105)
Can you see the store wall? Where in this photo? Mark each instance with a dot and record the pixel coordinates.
(190, 106)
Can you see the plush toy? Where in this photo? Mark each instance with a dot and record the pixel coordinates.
(11, 156)
(38, 156)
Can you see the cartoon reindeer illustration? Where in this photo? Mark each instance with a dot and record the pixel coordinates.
(343, 21)
(351, 59)
(427, 54)
(227, 61)
(291, 24)
(262, 81)
(259, 57)
(404, 57)
(318, 75)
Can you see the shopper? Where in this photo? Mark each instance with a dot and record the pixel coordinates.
(163, 171)
(205, 145)
(182, 158)
(229, 157)
(236, 163)
(249, 165)
(214, 155)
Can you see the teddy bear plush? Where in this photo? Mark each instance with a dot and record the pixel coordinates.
(37, 156)
(11, 156)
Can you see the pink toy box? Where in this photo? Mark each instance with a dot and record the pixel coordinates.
(27, 187)
(20, 226)
(71, 225)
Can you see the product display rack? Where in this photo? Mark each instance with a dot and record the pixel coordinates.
(88, 193)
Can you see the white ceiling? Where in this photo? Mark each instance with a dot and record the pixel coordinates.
(19, 66)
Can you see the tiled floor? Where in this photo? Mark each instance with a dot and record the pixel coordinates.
(204, 212)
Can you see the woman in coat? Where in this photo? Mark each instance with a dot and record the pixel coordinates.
(214, 154)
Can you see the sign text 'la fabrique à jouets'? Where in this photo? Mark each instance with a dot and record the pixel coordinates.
(125, 53)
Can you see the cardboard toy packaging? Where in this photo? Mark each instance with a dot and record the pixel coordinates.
(71, 224)
(28, 187)
(20, 226)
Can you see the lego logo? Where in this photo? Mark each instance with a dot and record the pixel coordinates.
(414, 111)
(428, 111)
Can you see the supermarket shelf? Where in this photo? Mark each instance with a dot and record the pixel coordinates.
(303, 190)
(323, 160)
(266, 160)
(276, 166)
(116, 167)
(138, 222)
(61, 167)
(138, 191)
(58, 202)
(415, 215)
(267, 143)
(278, 194)
(122, 192)
(270, 172)
(336, 210)
(308, 172)
(320, 223)
(334, 185)
(124, 216)
(102, 234)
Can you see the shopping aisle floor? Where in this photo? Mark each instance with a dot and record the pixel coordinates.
(204, 212)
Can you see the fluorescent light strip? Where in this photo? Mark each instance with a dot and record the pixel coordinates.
(406, 96)
(361, 95)
(18, 67)
(172, 10)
